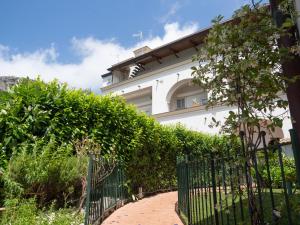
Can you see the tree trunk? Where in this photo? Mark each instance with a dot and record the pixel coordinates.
(291, 68)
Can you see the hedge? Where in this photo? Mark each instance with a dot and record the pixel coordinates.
(42, 118)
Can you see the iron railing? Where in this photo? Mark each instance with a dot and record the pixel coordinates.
(248, 186)
(105, 189)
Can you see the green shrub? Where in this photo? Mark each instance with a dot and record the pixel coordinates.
(40, 110)
(25, 212)
(50, 173)
(4, 97)
(153, 167)
(199, 144)
(275, 170)
(19, 213)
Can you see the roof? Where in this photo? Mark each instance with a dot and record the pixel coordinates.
(189, 41)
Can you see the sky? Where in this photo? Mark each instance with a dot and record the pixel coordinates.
(75, 41)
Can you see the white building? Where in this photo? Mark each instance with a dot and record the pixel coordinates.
(159, 82)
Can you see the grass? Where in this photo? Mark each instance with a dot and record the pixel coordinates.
(229, 208)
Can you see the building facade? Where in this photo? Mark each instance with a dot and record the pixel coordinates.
(159, 82)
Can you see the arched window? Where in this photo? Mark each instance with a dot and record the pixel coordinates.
(185, 94)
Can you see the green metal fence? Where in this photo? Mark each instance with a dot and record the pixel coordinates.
(105, 189)
(247, 186)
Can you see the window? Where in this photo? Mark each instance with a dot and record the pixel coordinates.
(180, 103)
(204, 101)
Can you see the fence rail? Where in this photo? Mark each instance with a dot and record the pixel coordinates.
(245, 187)
(105, 189)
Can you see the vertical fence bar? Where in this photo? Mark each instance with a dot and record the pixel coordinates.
(220, 192)
(296, 152)
(232, 194)
(225, 188)
(247, 176)
(266, 155)
(202, 192)
(284, 186)
(199, 222)
(205, 193)
(87, 205)
(214, 189)
(239, 172)
(178, 184)
(238, 167)
(187, 189)
(193, 193)
(258, 183)
(209, 181)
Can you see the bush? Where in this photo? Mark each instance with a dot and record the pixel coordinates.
(4, 97)
(199, 144)
(153, 167)
(47, 171)
(39, 110)
(25, 212)
(275, 170)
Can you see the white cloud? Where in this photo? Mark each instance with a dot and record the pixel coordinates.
(172, 32)
(97, 55)
(173, 9)
(3, 51)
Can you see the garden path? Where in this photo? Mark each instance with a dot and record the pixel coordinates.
(155, 210)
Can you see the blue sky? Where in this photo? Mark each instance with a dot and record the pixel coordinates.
(76, 40)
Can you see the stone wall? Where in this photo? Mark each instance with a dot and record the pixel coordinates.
(7, 81)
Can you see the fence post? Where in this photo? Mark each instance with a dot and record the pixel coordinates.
(187, 188)
(88, 191)
(284, 185)
(296, 152)
(213, 177)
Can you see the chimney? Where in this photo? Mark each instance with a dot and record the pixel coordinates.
(141, 51)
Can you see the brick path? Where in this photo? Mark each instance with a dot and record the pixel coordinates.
(155, 210)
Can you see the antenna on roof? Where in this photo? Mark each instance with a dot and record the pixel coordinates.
(138, 35)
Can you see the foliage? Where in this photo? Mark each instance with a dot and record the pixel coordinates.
(39, 110)
(200, 144)
(4, 97)
(239, 65)
(43, 126)
(275, 170)
(48, 172)
(153, 167)
(25, 212)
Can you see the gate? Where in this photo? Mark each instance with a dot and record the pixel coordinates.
(105, 189)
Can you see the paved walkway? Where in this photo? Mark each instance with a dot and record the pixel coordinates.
(155, 210)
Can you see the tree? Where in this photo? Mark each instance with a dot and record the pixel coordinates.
(240, 64)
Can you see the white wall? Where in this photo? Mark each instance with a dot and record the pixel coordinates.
(143, 103)
(198, 120)
(161, 78)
